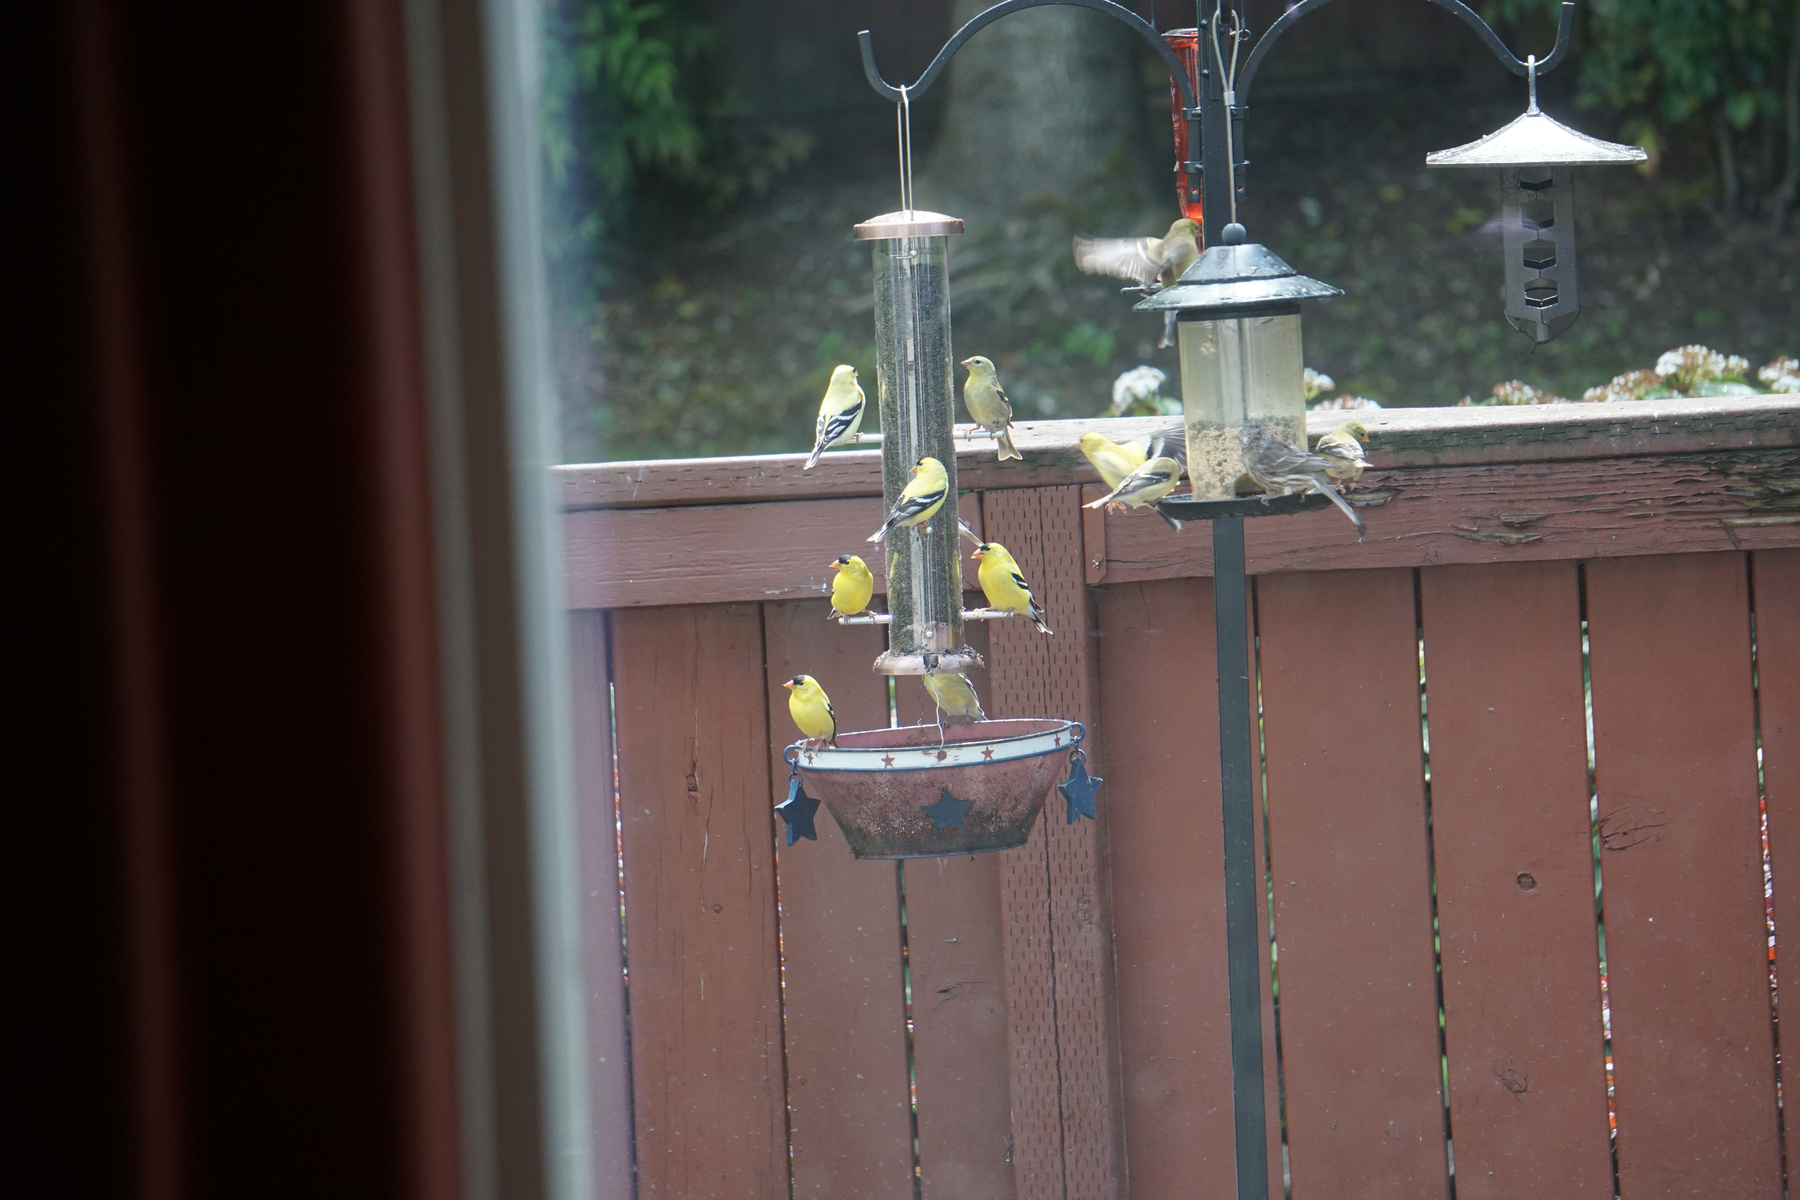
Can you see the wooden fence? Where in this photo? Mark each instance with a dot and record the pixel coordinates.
(1051, 1021)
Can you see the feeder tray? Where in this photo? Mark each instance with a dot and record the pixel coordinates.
(1186, 508)
(901, 793)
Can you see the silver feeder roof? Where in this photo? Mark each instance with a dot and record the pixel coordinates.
(908, 223)
(1236, 275)
(1536, 139)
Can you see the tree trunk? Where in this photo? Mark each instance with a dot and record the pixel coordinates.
(1045, 107)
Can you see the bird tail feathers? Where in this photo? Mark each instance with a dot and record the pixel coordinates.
(1007, 449)
(1331, 493)
(812, 459)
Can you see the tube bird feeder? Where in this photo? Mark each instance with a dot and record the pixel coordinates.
(916, 390)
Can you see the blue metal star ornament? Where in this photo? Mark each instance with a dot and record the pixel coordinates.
(948, 811)
(1079, 789)
(798, 811)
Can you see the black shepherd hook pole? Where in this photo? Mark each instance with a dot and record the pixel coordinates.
(1207, 115)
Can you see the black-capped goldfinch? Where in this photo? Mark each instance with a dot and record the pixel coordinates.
(955, 696)
(1113, 461)
(1280, 469)
(1005, 587)
(840, 413)
(811, 709)
(920, 499)
(854, 585)
(1151, 263)
(1342, 448)
(987, 404)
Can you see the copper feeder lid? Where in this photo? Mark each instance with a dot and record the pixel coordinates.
(909, 223)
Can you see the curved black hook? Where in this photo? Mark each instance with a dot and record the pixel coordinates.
(982, 20)
(1565, 25)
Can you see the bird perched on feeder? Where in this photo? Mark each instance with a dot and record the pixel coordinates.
(955, 696)
(853, 587)
(1144, 486)
(920, 499)
(987, 404)
(811, 709)
(1280, 469)
(1005, 587)
(1342, 447)
(840, 413)
(1151, 263)
(1113, 461)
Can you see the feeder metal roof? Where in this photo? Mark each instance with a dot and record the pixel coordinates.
(1536, 139)
(1240, 276)
(908, 223)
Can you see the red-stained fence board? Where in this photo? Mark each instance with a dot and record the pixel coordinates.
(840, 925)
(1163, 833)
(700, 903)
(1515, 871)
(954, 923)
(1777, 584)
(1352, 885)
(1681, 868)
(608, 1066)
(1055, 890)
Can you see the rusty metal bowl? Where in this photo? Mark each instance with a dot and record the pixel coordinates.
(883, 786)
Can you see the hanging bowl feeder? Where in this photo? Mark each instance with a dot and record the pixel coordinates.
(921, 792)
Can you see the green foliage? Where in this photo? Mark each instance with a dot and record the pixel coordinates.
(631, 102)
(1720, 67)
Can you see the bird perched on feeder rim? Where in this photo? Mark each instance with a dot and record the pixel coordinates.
(1144, 486)
(811, 709)
(1342, 447)
(920, 499)
(1005, 587)
(840, 413)
(853, 587)
(987, 404)
(1151, 263)
(955, 696)
(1280, 469)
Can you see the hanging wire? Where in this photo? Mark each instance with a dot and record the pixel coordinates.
(903, 137)
(1228, 75)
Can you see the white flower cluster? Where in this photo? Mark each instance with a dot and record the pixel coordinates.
(1346, 401)
(1633, 385)
(1782, 375)
(1517, 391)
(1315, 384)
(1687, 367)
(1139, 383)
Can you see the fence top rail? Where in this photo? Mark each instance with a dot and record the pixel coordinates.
(1399, 438)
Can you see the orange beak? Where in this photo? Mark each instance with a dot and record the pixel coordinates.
(977, 553)
(834, 564)
(789, 685)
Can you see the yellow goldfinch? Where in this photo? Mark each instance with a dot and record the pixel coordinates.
(854, 585)
(919, 499)
(1151, 263)
(811, 709)
(1113, 461)
(1144, 486)
(1005, 587)
(987, 404)
(956, 699)
(1342, 448)
(840, 413)
(1279, 469)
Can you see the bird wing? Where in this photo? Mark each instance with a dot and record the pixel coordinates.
(912, 506)
(1136, 259)
(1023, 586)
(832, 426)
(1167, 441)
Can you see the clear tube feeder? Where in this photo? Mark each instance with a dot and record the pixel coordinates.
(916, 390)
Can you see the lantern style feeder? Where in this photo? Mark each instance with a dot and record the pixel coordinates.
(1238, 321)
(1535, 154)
